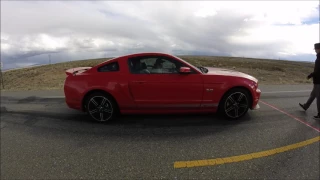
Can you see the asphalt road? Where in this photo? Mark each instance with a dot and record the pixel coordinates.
(42, 139)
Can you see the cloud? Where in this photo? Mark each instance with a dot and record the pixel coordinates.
(76, 30)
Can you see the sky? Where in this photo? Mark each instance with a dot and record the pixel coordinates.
(73, 30)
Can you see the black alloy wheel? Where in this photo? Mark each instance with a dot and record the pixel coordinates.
(235, 103)
(100, 107)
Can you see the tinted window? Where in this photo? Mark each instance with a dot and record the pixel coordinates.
(114, 66)
(154, 65)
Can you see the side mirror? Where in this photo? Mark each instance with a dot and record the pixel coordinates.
(185, 70)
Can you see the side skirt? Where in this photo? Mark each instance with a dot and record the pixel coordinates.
(172, 109)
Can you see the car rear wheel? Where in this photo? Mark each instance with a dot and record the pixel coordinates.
(235, 103)
(101, 107)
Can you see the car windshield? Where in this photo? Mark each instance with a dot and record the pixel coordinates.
(202, 69)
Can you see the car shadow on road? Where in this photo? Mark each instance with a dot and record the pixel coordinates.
(176, 120)
(132, 125)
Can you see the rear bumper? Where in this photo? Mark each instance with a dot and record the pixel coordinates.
(74, 104)
(72, 98)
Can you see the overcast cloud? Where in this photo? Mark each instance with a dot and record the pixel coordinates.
(30, 30)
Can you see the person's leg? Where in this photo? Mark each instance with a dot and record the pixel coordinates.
(312, 96)
(317, 92)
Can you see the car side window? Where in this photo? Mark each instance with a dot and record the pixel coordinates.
(110, 67)
(141, 65)
(154, 65)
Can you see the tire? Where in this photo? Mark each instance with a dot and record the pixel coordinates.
(101, 107)
(231, 107)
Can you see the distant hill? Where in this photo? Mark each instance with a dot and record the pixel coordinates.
(266, 70)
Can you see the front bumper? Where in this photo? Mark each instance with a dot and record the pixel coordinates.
(256, 107)
(256, 98)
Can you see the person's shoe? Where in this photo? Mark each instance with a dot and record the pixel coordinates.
(302, 106)
(317, 117)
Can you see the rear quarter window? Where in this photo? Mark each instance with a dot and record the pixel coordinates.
(110, 67)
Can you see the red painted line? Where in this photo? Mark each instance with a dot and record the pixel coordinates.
(303, 122)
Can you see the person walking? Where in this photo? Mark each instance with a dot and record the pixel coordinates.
(315, 93)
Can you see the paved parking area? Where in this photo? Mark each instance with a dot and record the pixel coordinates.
(279, 141)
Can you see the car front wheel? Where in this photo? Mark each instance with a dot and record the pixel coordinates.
(235, 103)
(100, 107)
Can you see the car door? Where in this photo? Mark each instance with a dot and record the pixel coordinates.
(163, 87)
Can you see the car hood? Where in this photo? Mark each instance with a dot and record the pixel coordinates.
(228, 72)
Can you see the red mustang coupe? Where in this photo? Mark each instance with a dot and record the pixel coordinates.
(158, 83)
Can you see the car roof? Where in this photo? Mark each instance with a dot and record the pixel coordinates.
(132, 55)
(142, 54)
(146, 54)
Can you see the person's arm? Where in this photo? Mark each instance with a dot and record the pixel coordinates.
(316, 71)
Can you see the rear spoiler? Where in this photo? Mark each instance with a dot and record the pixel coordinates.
(74, 71)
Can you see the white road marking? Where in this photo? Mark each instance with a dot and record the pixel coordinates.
(274, 92)
(52, 97)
